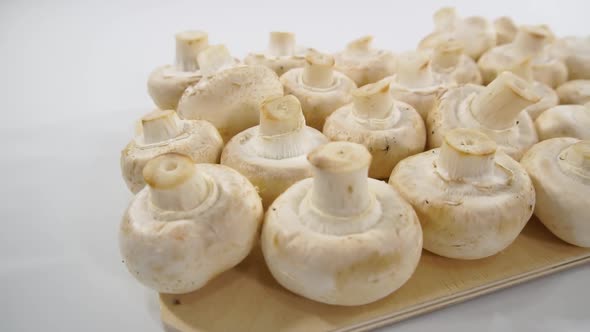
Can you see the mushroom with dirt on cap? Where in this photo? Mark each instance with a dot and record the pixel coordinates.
(191, 223)
(282, 55)
(471, 199)
(341, 238)
(564, 121)
(162, 132)
(273, 154)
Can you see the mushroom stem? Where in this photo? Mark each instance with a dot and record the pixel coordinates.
(188, 46)
(413, 71)
(578, 156)
(215, 58)
(340, 182)
(281, 43)
(522, 68)
(360, 45)
(318, 71)
(445, 18)
(466, 154)
(531, 39)
(447, 55)
(174, 183)
(373, 101)
(159, 126)
(500, 103)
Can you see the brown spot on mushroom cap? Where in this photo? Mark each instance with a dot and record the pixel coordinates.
(168, 171)
(470, 142)
(340, 157)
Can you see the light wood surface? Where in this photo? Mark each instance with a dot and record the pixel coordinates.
(248, 299)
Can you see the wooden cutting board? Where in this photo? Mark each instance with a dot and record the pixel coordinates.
(247, 298)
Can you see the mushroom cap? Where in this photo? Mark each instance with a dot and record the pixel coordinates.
(270, 176)
(506, 30)
(354, 262)
(564, 121)
(463, 72)
(180, 251)
(574, 92)
(562, 190)
(548, 99)
(388, 140)
(278, 64)
(318, 103)
(364, 64)
(166, 84)
(575, 52)
(454, 111)
(231, 98)
(466, 219)
(199, 140)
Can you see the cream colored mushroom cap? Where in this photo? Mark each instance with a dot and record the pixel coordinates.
(564, 121)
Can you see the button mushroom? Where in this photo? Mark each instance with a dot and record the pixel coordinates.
(162, 132)
(282, 55)
(575, 52)
(560, 171)
(574, 92)
(191, 223)
(230, 94)
(498, 110)
(448, 61)
(389, 129)
(272, 155)
(506, 30)
(475, 33)
(167, 83)
(564, 121)
(341, 238)
(363, 63)
(319, 88)
(472, 200)
(530, 41)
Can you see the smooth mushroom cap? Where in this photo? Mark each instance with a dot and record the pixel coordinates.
(560, 171)
(391, 130)
(497, 110)
(282, 54)
(320, 89)
(364, 64)
(366, 240)
(191, 223)
(163, 132)
(506, 30)
(471, 200)
(564, 121)
(167, 83)
(574, 92)
(272, 155)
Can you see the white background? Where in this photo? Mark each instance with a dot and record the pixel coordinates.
(72, 81)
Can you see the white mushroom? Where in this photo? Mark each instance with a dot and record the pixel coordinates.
(167, 83)
(475, 33)
(564, 121)
(530, 41)
(341, 238)
(448, 61)
(560, 170)
(319, 88)
(191, 223)
(162, 132)
(273, 155)
(575, 52)
(506, 30)
(391, 130)
(498, 110)
(230, 95)
(574, 92)
(365, 64)
(472, 200)
(282, 55)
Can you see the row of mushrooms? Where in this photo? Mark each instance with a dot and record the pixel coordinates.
(357, 161)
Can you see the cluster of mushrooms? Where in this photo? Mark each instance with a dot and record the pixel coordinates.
(483, 125)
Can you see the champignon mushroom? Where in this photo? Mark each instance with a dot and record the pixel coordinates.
(391, 130)
(564, 121)
(282, 55)
(574, 92)
(575, 52)
(530, 41)
(272, 155)
(506, 30)
(341, 238)
(319, 88)
(191, 223)
(167, 83)
(498, 110)
(471, 199)
(364, 64)
(560, 171)
(449, 61)
(475, 33)
(229, 95)
(162, 132)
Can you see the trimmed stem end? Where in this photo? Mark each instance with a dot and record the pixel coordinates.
(466, 154)
(159, 126)
(281, 116)
(319, 70)
(188, 46)
(281, 43)
(373, 101)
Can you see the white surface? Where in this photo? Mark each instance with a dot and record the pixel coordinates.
(72, 81)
